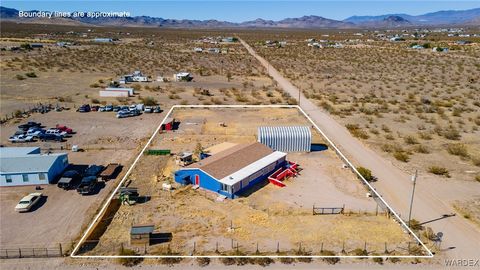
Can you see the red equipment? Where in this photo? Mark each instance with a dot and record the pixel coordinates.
(282, 173)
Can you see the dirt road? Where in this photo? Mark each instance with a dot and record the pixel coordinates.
(461, 239)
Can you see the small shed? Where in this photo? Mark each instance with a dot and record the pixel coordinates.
(140, 234)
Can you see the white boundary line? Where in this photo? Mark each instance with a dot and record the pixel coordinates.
(97, 217)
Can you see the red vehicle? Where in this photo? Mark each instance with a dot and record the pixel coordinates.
(64, 128)
(95, 108)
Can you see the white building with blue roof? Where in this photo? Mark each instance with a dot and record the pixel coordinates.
(21, 166)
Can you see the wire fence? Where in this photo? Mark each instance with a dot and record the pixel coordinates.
(160, 246)
(50, 251)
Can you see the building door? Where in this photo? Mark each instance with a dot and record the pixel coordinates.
(197, 180)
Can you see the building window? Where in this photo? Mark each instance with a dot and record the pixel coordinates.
(25, 177)
(8, 178)
(42, 177)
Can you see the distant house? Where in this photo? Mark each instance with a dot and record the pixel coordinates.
(182, 77)
(463, 42)
(229, 39)
(36, 45)
(117, 92)
(21, 166)
(136, 76)
(102, 40)
(197, 49)
(396, 39)
(417, 47)
(214, 50)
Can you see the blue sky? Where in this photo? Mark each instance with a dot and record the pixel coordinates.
(238, 11)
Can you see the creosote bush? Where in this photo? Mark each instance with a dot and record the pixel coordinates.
(437, 170)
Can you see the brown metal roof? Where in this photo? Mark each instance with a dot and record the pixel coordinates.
(233, 159)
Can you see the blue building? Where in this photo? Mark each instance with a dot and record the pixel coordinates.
(21, 166)
(234, 170)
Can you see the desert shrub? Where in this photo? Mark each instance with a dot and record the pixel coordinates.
(439, 171)
(422, 149)
(359, 252)
(94, 85)
(429, 234)
(410, 140)
(366, 173)
(477, 178)
(401, 156)
(203, 261)
(378, 260)
(262, 261)
(329, 260)
(425, 136)
(149, 101)
(129, 262)
(287, 260)
(415, 225)
(356, 131)
(18, 113)
(458, 149)
(394, 260)
(303, 259)
(31, 74)
(19, 77)
(227, 260)
(451, 133)
(476, 160)
(95, 101)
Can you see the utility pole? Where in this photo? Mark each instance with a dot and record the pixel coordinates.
(414, 180)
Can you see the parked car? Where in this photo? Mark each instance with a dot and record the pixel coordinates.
(27, 202)
(35, 132)
(20, 138)
(56, 131)
(29, 125)
(64, 129)
(124, 108)
(148, 109)
(19, 132)
(132, 107)
(123, 114)
(50, 137)
(102, 109)
(109, 108)
(157, 109)
(69, 179)
(93, 170)
(84, 108)
(87, 185)
(116, 108)
(95, 108)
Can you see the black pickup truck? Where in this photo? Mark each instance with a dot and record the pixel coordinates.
(69, 180)
(87, 185)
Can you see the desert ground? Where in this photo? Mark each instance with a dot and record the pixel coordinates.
(418, 109)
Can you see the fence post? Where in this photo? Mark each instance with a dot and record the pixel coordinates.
(46, 252)
(343, 247)
(60, 248)
(194, 246)
(321, 247)
(216, 247)
(257, 248)
(33, 252)
(278, 247)
(386, 250)
(19, 252)
(365, 247)
(6, 253)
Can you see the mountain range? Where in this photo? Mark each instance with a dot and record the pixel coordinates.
(440, 18)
